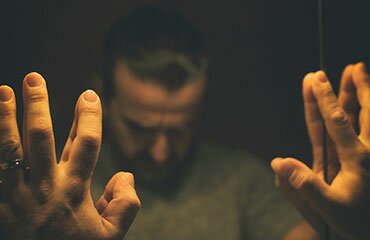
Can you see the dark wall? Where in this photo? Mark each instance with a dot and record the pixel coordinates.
(259, 52)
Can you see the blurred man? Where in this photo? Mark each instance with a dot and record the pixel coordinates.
(155, 67)
(190, 190)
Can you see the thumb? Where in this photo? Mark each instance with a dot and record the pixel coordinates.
(304, 182)
(121, 201)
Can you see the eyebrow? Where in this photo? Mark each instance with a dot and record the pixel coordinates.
(138, 125)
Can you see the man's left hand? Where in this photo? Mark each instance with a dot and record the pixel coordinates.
(343, 203)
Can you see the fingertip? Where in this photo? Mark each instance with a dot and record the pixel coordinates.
(33, 79)
(321, 76)
(33, 74)
(284, 167)
(90, 96)
(307, 87)
(360, 74)
(275, 162)
(346, 82)
(349, 66)
(129, 178)
(361, 66)
(321, 86)
(88, 101)
(307, 79)
(309, 75)
(6, 93)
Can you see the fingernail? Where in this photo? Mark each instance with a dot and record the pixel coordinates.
(5, 93)
(34, 80)
(90, 96)
(321, 76)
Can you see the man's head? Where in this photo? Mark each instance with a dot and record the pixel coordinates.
(153, 82)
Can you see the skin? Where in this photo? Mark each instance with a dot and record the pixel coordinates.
(151, 110)
(54, 201)
(153, 128)
(344, 203)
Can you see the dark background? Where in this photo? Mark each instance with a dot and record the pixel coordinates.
(259, 52)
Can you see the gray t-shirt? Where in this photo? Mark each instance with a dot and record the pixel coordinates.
(226, 194)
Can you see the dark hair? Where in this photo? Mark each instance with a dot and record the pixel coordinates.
(154, 43)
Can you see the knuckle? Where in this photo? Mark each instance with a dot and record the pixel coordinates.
(90, 140)
(9, 146)
(304, 185)
(40, 133)
(90, 111)
(43, 193)
(36, 97)
(49, 226)
(132, 202)
(326, 93)
(339, 118)
(75, 192)
(137, 203)
(6, 112)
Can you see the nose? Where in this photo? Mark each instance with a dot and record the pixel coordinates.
(160, 148)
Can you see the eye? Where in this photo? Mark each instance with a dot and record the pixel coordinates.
(138, 129)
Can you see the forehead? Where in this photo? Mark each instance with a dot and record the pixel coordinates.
(147, 100)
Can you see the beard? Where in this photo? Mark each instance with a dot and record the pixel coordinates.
(159, 177)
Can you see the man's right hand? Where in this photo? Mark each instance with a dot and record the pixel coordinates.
(53, 200)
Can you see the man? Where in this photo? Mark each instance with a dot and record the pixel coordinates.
(52, 201)
(154, 79)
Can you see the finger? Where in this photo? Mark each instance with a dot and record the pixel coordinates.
(71, 137)
(108, 196)
(10, 144)
(85, 137)
(347, 94)
(312, 112)
(362, 82)
(122, 201)
(38, 130)
(108, 193)
(304, 182)
(101, 204)
(337, 123)
(314, 121)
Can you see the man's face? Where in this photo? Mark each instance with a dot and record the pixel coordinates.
(151, 127)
